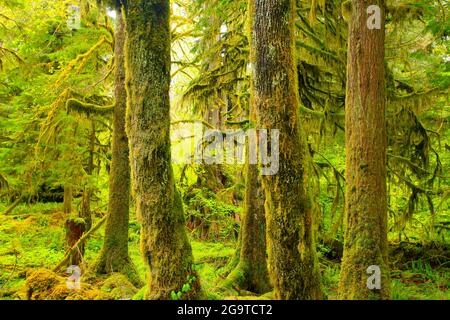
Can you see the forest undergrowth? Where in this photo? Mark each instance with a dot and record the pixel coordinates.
(32, 238)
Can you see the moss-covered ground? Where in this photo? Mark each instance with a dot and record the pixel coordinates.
(32, 238)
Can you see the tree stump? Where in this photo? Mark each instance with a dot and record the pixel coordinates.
(75, 227)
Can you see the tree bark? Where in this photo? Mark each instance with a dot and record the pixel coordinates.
(75, 228)
(79, 243)
(164, 242)
(365, 235)
(251, 272)
(292, 260)
(67, 205)
(114, 255)
(85, 212)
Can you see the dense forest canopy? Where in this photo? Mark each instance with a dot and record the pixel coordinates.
(217, 149)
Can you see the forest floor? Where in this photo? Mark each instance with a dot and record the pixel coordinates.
(33, 237)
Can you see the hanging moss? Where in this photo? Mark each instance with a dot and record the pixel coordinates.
(87, 108)
(81, 60)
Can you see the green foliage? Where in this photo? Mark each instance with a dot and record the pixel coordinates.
(37, 240)
(421, 283)
(58, 63)
(140, 294)
(330, 280)
(204, 206)
(185, 289)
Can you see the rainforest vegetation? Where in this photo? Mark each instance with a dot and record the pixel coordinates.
(224, 149)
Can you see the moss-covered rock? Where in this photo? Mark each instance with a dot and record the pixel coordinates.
(119, 287)
(43, 284)
(40, 282)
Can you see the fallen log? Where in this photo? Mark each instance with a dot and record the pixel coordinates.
(12, 206)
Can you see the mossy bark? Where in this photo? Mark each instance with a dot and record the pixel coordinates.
(85, 211)
(114, 254)
(365, 237)
(292, 259)
(164, 242)
(251, 272)
(67, 204)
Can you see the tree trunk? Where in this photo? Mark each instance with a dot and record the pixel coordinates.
(164, 242)
(78, 244)
(87, 192)
(114, 255)
(292, 257)
(67, 205)
(365, 236)
(85, 212)
(75, 228)
(251, 271)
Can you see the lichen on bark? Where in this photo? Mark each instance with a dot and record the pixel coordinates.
(292, 257)
(164, 242)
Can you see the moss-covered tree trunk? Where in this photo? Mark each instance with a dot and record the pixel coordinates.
(251, 272)
(365, 237)
(67, 202)
(250, 261)
(164, 242)
(292, 258)
(85, 211)
(114, 255)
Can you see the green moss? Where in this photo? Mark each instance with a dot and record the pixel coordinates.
(119, 287)
(76, 220)
(346, 10)
(215, 252)
(41, 280)
(87, 108)
(140, 295)
(43, 284)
